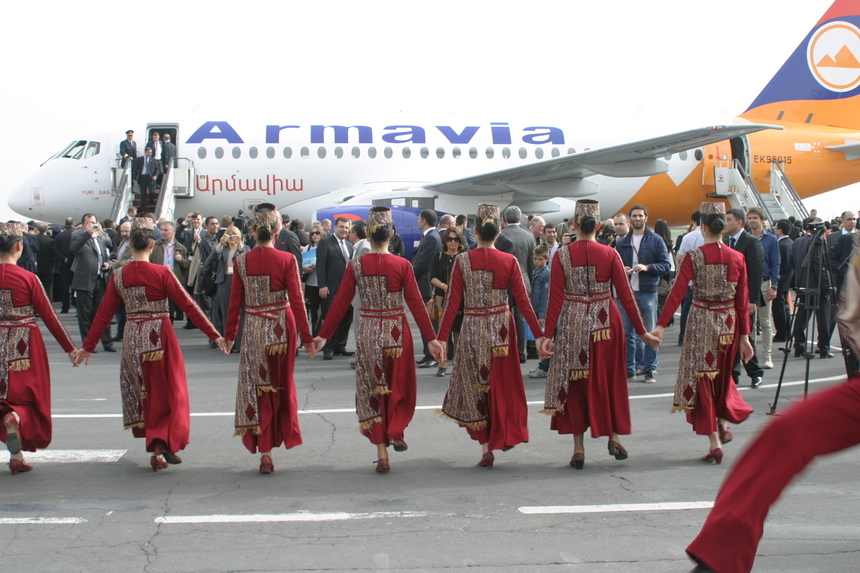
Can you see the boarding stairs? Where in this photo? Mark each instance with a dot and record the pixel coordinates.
(178, 182)
(735, 185)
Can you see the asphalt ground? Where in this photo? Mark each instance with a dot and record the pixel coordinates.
(93, 504)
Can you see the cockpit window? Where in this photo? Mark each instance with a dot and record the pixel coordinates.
(74, 150)
(92, 149)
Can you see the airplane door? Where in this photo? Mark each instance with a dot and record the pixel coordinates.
(741, 152)
(171, 129)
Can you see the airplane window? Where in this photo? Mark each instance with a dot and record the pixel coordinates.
(506, 152)
(270, 152)
(321, 152)
(523, 153)
(473, 153)
(407, 153)
(75, 150)
(387, 152)
(668, 157)
(92, 149)
(219, 153)
(570, 151)
(539, 152)
(304, 152)
(490, 152)
(252, 153)
(237, 153)
(201, 152)
(425, 153)
(371, 152)
(288, 152)
(455, 153)
(440, 153)
(699, 155)
(338, 152)
(356, 152)
(555, 152)
(683, 156)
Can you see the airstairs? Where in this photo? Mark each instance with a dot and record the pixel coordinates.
(735, 185)
(178, 182)
(122, 189)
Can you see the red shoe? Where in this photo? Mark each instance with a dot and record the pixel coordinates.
(16, 466)
(487, 460)
(157, 463)
(399, 445)
(382, 466)
(617, 450)
(726, 435)
(577, 462)
(266, 465)
(715, 455)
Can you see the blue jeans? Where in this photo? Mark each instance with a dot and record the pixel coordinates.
(641, 356)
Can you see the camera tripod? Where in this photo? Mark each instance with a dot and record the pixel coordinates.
(814, 296)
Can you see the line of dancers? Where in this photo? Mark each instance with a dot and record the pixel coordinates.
(586, 384)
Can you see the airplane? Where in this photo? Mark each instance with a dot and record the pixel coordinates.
(799, 138)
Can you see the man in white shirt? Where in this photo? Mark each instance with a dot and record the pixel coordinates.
(690, 241)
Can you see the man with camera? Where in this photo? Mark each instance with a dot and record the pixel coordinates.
(91, 270)
(811, 281)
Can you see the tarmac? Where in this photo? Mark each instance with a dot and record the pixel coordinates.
(93, 504)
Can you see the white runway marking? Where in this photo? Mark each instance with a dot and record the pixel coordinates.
(41, 520)
(71, 456)
(616, 507)
(742, 388)
(284, 517)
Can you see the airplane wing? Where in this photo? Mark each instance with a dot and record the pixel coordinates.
(567, 176)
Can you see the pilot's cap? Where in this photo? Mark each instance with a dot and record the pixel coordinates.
(130, 132)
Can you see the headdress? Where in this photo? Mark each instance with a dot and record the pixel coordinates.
(488, 213)
(266, 215)
(12, 229)
(378, 216)
(715, 208)
(142, 223)
(586, 208)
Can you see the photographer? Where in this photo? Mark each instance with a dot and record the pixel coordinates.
(809, 272)
(91, 270)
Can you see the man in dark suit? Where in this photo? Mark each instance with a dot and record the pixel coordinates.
(64, 258)
(519, 242)
(29, 246)
(91, 271)
(130, 214)
(148, 170)
(462, 223)
(333, 255)
(168, 152)
(809, 274)
(841, 248)
(45, 258)
(750, 247)
(423, 260)
(781, 316)
(288, 241)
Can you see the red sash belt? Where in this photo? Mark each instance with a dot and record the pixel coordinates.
(389, 313)
(590, 297)
(714, 304)
(269, 311)
(475, 311)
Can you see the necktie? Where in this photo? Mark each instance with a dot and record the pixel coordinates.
(732, 242)
(343, 249)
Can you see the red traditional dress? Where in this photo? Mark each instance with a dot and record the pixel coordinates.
(25, 379)
(718, 317)
(265, 282)
(385, 387)
(152, 373)
(486, 394)
(586, 382)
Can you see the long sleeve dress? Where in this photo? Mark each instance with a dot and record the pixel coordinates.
(718, 317)
(385, 383)
(586, 382)
(266, 283)
(25, 378)
(152, 373)
(486, 394)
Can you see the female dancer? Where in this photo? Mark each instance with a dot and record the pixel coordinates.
(312, 287)
(222, 259)
(452, 242)
(586, 383)
(25, 379)
(485, 394)
(266, 284)
(385, 388)
(152, 372)
(704, 387)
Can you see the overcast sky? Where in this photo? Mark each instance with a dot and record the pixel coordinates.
(622, 67)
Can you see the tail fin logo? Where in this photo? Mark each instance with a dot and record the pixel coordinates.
(833, 55)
